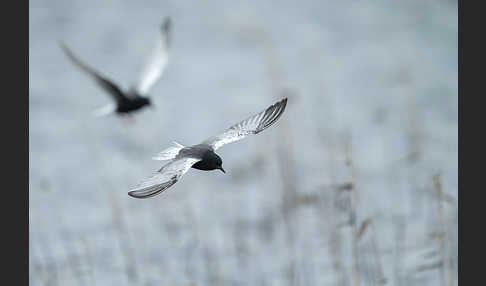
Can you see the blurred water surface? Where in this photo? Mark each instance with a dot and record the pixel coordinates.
(356, 184)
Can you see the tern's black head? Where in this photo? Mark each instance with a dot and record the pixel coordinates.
(210, 161)
(146, 101)
(218, 162)
(143, 101)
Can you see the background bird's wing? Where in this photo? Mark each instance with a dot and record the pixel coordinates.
(104, 83)
(168, 175)
(252, 125)
(158, 61)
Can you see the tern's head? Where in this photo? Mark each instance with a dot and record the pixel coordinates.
(214, 161)
(147, 102)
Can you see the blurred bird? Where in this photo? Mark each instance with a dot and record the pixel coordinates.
(202, 156)
(136, 97)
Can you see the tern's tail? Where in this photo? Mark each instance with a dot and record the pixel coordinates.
(169, 153)
(105, 110)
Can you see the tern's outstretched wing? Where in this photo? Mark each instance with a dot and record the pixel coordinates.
(168, 175)
(104, 83)
(158, 61)
(252, 125)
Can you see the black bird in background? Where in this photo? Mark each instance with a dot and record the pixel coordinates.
(136, 97)
(202, 156)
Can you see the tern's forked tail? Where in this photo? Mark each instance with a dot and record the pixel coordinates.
(105, 110)
(169, 153)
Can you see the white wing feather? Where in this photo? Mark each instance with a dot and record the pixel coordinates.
(252, 125)
(157, 62)
(168, 175)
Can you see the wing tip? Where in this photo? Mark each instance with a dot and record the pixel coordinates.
(283, 102)
(272, 118)
(160, 182)
(151, 191)
(62, 44)
(64, 47)
(133, 194)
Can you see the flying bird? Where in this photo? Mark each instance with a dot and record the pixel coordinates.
(135, 98)
(202, 156)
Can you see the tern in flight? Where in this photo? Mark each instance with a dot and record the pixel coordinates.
(136, 98)
(202, 156)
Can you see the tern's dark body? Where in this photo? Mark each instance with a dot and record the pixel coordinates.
(132, 103)
(210, 160)
(136, 97)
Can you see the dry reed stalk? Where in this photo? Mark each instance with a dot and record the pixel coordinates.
(400, 235)
(335, 241)
(72, 260)
(369, 223)
(286, 156)
(353, 197)
(328, 139)
(89, 260)
(126, 248)
(52, 275)
(442, 228)
(190, 271)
